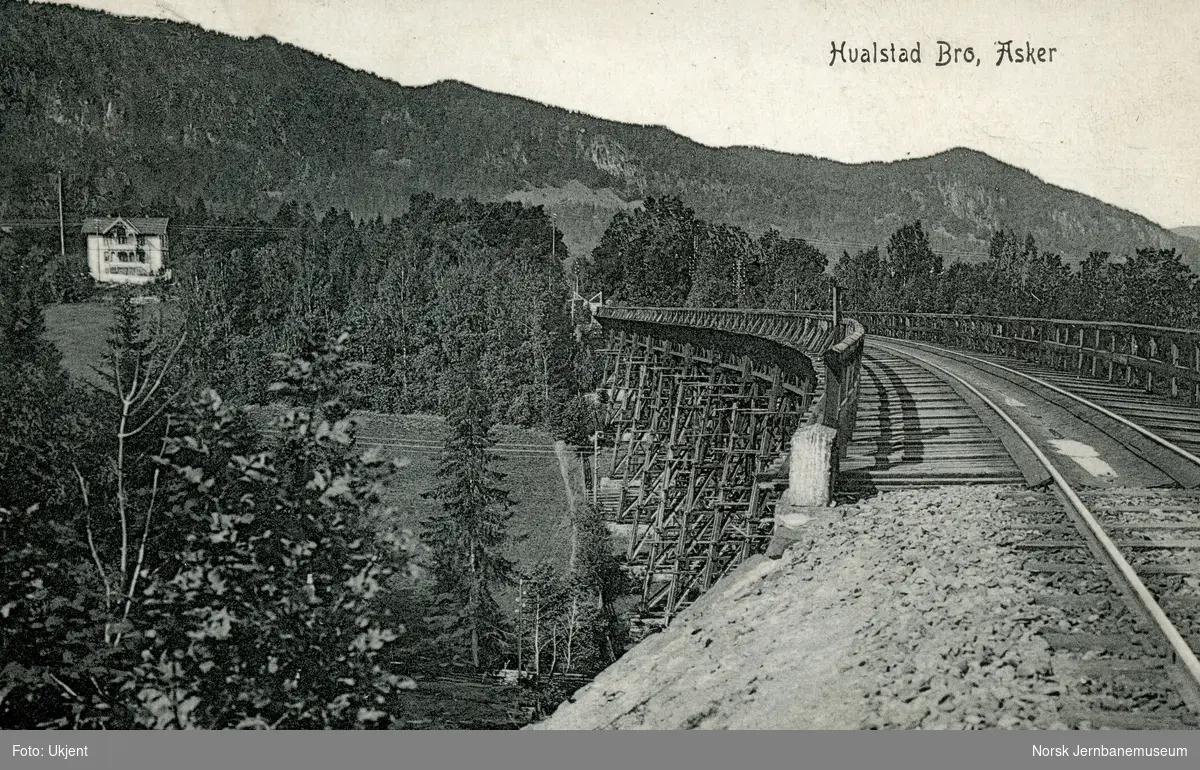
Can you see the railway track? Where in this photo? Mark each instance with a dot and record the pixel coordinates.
(1117, 668)
(1123, 564)
(1164, 421)
(914, 429)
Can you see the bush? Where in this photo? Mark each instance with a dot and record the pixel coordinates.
(270, 615)
(250, 592)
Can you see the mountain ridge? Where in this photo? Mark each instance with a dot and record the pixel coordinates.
(246, 123)
(1188, 231)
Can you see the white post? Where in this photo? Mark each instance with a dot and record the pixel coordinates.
(62, 233)
(810, 468)
(595, 470)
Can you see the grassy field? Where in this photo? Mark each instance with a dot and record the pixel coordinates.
(539, 525)
(80, 332)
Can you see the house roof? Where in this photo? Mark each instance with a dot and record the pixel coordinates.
(139, 225)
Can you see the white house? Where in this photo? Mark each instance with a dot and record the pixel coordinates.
(126, 249)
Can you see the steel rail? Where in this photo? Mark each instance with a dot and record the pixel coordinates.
(1184, 655)
(1045, 384)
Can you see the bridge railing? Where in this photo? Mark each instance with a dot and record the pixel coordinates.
(839, 401)
(1156, 359)
(814, 335)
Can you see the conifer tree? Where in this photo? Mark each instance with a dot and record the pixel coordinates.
(469, 533)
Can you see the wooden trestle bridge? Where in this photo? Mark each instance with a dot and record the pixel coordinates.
(702, 405)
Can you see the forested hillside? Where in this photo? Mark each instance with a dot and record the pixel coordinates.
(663, 254)
(138, 114)
(163, 473)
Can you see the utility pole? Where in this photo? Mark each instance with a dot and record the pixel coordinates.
(520, 630)
(62, 232)
(553, 251)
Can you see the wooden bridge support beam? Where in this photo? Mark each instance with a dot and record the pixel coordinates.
(695, 432)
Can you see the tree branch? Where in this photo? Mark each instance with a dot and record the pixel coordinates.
(95, 554)
(145, 531)
(65, 686)
(156, 413)
(149, 393)
(133, 386)
(121, 497)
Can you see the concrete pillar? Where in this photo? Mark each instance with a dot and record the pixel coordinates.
(811, 468)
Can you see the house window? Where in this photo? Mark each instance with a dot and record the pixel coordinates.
(141, 240)
(120, 233)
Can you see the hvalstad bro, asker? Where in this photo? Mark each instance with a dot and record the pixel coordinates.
(1006, 53)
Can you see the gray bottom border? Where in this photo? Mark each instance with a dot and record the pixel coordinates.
(609, 750)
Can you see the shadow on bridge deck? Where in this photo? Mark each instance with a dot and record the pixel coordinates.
(914, 430)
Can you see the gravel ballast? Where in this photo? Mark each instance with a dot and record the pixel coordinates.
(909, 610)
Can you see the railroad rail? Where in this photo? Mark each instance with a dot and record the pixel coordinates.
(1136, 592)
(701, 405)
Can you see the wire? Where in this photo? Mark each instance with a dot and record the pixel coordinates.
(828, 243)
(36, 223)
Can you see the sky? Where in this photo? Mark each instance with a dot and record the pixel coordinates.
(1114, 115)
